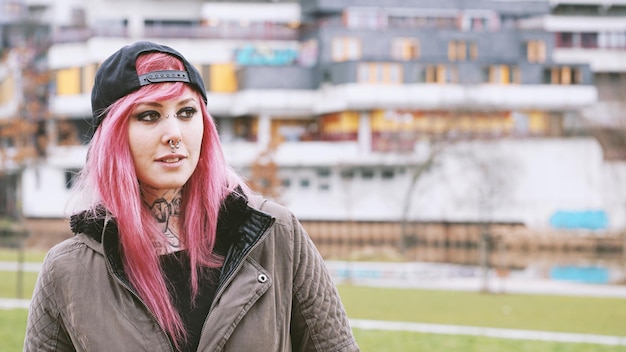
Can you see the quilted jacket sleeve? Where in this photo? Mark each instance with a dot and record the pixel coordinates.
(319, 321)
(44, 329)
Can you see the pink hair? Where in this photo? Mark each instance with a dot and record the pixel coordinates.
(110, 172)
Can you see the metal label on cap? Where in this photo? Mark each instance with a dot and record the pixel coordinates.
(164, 76)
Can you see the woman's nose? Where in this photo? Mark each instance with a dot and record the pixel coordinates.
(171, 129)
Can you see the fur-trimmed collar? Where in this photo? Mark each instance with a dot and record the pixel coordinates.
(233, 212)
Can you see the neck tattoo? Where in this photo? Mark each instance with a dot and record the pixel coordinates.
(166, 208)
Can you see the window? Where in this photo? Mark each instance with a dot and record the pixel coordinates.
(367, 173)
(562, 75)
(245, 128)
(347, 174)
(589, 40)
(323, 172)
(345, 48)
(305, 183)
(405, 49)
(583, 40)
(379, 73)
(67, 133)
(478, 24)
(536, 51)
(323, 181)
(285, 182)
(459, 50)
(612, 40)
(564, 40)
(370, 18)
(503, 74)
(441, 74)
(387, 174)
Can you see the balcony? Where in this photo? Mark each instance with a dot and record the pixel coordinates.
(253, 31)
(275, 77)
(260, 31)
(78, 35)
(454, 96)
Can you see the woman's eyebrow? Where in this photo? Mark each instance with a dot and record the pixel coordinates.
(155, 104)
(186, 101)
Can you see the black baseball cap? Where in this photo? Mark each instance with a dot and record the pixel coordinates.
(117, 76)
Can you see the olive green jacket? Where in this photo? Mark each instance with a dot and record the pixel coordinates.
(274, 294)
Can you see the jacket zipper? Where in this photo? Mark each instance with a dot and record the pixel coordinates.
(255, 245)
(239, 265)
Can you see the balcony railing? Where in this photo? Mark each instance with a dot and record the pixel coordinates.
(69, 35)
(260, 31)
(252, 32)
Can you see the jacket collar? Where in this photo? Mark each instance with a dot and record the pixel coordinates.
(239, 228)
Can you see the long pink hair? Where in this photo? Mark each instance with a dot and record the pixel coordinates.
(110, 173)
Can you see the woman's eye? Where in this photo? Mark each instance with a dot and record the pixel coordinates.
(148, 116)
(186, 113)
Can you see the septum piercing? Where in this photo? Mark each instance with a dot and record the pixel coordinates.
(174, 146)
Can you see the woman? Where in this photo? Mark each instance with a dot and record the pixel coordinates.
(174, 253)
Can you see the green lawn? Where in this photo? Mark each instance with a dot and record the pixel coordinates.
(587, 315)
(12, 329)
(8, 285)
(397, 341)
(12, 255)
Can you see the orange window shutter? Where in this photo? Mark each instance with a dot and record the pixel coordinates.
(566, 75)
(504, 74)
(441, 74)
(461, 51)
(68, 81)
(430, 74)
(223, 78)
(452, 51)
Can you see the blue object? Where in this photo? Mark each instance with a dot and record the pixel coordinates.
(587, 219)
(589, 274)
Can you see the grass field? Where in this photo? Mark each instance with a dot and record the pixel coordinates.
(603, 316)
(12, 255)
(588, 315)
(397, 341)
(12, 329)
(8, 285)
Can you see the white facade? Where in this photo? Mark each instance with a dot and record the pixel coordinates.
(523, 181)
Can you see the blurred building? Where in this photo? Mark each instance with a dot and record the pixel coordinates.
(347, 100)
(594, 32)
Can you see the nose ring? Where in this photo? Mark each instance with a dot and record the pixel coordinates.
(174, 146)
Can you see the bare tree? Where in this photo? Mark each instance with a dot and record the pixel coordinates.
(610, 131)
(22, 134)
(491, 177)
(264, 176)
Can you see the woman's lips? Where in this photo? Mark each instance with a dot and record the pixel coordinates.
(171, 158)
